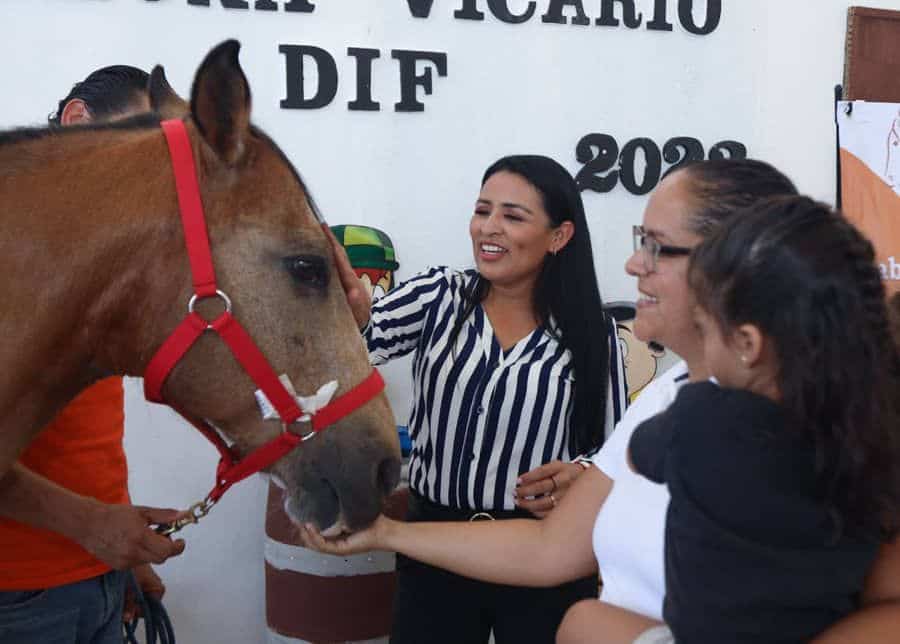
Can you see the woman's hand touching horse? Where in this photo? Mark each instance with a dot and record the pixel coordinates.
(357, 294)
(375, 537)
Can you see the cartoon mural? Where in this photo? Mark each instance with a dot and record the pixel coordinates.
(641, 358)
(371, 254)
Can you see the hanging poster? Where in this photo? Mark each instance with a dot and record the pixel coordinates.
(869, 135)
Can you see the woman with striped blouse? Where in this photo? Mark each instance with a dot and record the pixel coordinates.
(515, 369)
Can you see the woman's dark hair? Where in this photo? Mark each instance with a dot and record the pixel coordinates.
(721, 187)
(566, 290)
(808, 280)
(106, 91)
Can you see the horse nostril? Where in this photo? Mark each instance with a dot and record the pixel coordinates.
(388, 474)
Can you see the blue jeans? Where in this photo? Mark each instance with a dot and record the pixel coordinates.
(84, 612)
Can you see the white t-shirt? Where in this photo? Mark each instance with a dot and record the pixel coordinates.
(629, 531)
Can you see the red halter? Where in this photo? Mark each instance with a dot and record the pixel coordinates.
(230, 469)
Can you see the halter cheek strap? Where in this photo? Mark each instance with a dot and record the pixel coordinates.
(230, 470)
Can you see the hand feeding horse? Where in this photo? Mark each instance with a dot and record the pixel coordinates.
(102, 250)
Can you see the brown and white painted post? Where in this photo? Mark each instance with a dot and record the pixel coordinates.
(323, 599)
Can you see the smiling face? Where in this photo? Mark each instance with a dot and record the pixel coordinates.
(512, 232)
(664, 307)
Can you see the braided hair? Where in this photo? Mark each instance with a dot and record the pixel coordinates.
(895, 318)
(807, 278)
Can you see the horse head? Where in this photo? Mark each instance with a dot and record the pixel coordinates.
(95, 276)
(274, 261)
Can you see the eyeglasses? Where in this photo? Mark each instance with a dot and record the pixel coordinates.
(651, 249)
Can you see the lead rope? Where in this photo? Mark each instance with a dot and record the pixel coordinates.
(157, 625)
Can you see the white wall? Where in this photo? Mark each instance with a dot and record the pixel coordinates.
(764, 78)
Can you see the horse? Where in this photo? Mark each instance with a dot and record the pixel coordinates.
(94, 276)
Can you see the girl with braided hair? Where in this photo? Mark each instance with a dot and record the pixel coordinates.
(784, 469)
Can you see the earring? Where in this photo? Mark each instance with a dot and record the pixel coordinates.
(743, 359)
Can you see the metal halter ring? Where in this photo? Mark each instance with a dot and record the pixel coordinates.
(195, 297)
(303, 437)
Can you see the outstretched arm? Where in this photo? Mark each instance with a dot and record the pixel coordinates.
(118, 535)
(521, 552)
(878, 619)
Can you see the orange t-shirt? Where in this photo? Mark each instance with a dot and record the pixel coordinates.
(80, 450)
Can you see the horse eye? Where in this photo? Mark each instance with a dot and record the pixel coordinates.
(307, 270)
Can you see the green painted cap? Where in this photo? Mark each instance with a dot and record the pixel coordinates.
(367, 247)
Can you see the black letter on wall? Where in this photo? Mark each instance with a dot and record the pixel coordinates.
(608, 14)
(266, 5)
(420, 8)
(659, 22)
(364, 58)
(686, 16)
(301, 6)
(409, 79)
(328, 77)
(469, 11)
(554, 12)
(228, 4)
(501, 11)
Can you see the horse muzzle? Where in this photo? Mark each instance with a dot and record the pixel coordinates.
(341, 482)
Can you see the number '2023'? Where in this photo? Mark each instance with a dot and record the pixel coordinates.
(605, 165)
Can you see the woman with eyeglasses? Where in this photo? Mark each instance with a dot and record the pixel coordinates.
(613, 519)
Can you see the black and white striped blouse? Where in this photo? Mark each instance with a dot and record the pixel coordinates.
(480, 416)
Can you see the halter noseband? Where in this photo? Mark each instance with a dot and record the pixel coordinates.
(230, 469)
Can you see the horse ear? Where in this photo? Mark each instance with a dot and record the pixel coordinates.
(163, 99)
(220, 102)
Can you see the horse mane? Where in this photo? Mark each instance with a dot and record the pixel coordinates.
(26, 134)
(147, 120)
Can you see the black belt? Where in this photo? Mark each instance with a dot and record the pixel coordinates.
(422, 509)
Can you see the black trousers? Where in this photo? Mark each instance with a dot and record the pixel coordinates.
(434, 606)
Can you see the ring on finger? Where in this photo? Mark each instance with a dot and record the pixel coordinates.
(553, 480)
(552, 501)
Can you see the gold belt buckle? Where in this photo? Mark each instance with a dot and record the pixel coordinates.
(481, 516)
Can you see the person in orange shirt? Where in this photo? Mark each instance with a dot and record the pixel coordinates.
(68, 532)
